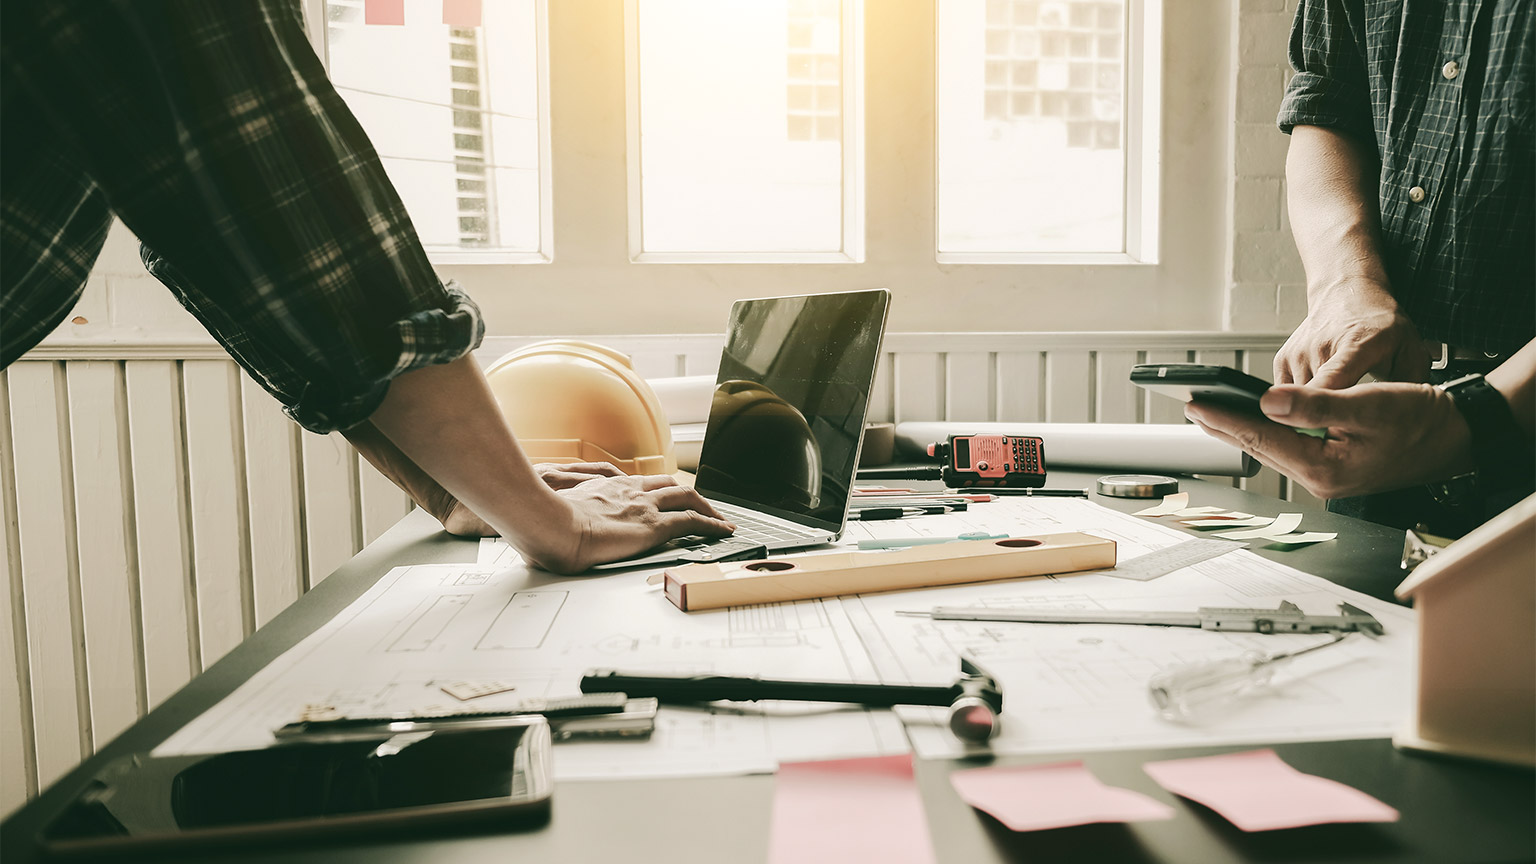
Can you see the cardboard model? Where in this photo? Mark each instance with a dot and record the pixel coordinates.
(1477, 643)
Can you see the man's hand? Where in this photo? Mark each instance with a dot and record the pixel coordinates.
(565, 475)
(1380, 436)
(459, 521)
(1352, 328)
(617, 517)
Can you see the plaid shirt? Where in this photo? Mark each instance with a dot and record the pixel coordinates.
(211, 130)
(1443, 89)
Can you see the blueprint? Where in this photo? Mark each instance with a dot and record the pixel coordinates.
(420, 627)
(1076, 687)
(1066, 687)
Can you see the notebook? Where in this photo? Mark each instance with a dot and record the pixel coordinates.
(781, 446)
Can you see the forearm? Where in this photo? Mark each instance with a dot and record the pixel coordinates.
(1516, 379)
(1335, 218)
(382, 454)
(448, 432)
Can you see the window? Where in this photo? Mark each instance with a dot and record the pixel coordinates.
(745, 130)
(1039, 134)
(457, 117)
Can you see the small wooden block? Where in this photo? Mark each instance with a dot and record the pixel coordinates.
(692, 587)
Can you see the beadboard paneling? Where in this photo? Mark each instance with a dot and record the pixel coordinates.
(156, 506)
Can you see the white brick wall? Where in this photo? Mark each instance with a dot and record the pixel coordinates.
(122, 300)
(1267, 285)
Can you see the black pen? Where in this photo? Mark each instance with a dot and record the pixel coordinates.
(1033, 493)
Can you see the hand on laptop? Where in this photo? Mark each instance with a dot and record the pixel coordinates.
(623, 516)
(460, 521)
(564, 476)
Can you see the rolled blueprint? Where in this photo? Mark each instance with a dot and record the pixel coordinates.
(684, 400)
(1163, 447)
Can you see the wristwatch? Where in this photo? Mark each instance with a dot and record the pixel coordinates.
(1500, 455)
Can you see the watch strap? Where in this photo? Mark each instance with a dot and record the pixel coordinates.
(1501, 456)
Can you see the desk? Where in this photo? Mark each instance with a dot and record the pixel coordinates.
(1452, 811)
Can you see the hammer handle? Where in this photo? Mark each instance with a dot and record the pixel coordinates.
(710, 688)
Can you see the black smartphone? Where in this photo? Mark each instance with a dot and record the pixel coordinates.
(1197, 382)
(384, 786)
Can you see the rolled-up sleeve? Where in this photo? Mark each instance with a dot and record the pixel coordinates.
(1330, 86)
(260, 202)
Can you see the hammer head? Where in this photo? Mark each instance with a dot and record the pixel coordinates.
(978, 703)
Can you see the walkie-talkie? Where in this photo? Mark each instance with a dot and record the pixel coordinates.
(981, 461)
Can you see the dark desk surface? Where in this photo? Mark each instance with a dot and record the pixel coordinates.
(1452, 810)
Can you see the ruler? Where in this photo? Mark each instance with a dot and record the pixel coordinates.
(1161, 562)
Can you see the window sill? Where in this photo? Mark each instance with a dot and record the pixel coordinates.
(1097, 259)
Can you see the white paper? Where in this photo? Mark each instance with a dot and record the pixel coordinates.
(422, 626)
(1067, 688)
(496, 552)
(1076, 687)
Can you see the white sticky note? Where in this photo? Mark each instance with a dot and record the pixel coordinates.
(1301, 539)
(1285, 523)
(1199, 511)
(1176, 501)
(1233, 521)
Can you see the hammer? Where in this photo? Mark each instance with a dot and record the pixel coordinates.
(975, 700)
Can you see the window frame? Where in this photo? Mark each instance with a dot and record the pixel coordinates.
(593, 287)
(315, 19)
(851, 53)
(1142, 152)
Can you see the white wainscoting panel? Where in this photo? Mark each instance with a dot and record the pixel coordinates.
(156, 506)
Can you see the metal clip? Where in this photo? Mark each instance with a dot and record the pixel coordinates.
(1419, 546)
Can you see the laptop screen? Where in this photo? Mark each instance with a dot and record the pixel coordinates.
(789, 405)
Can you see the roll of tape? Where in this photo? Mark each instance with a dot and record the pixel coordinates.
(879, 445)
(1137, 485)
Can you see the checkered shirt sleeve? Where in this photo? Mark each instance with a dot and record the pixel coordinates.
(212, 131)
(1328, 54)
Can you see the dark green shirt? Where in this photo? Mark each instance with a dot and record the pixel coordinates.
(1442, 91)
(211, 130)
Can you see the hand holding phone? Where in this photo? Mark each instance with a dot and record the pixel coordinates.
(1208, 384)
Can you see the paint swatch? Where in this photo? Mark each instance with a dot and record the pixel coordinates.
(1258, 791)
(384, 12)
(1058, 795)
(844, 810)
(461, 13)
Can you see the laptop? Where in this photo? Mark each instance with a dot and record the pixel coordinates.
(781, 446)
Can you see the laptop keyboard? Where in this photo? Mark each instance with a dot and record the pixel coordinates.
(748, 527)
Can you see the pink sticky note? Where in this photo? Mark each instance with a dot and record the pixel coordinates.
(1257, 791)
(384, 11)
(461, 13)
(1036, 797)
(845, 810)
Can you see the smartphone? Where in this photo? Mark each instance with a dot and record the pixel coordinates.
(312, 791)
(1196, 382)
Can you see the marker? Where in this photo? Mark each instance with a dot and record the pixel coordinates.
(904, 542)
(1039, 493)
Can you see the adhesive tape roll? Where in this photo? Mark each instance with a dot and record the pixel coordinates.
(1137, 485)
(879, 445)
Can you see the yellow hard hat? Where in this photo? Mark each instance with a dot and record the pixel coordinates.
(571, 401)
(761, 448)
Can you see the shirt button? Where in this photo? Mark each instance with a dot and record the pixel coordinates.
(1450, 70)
(1416, 194)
